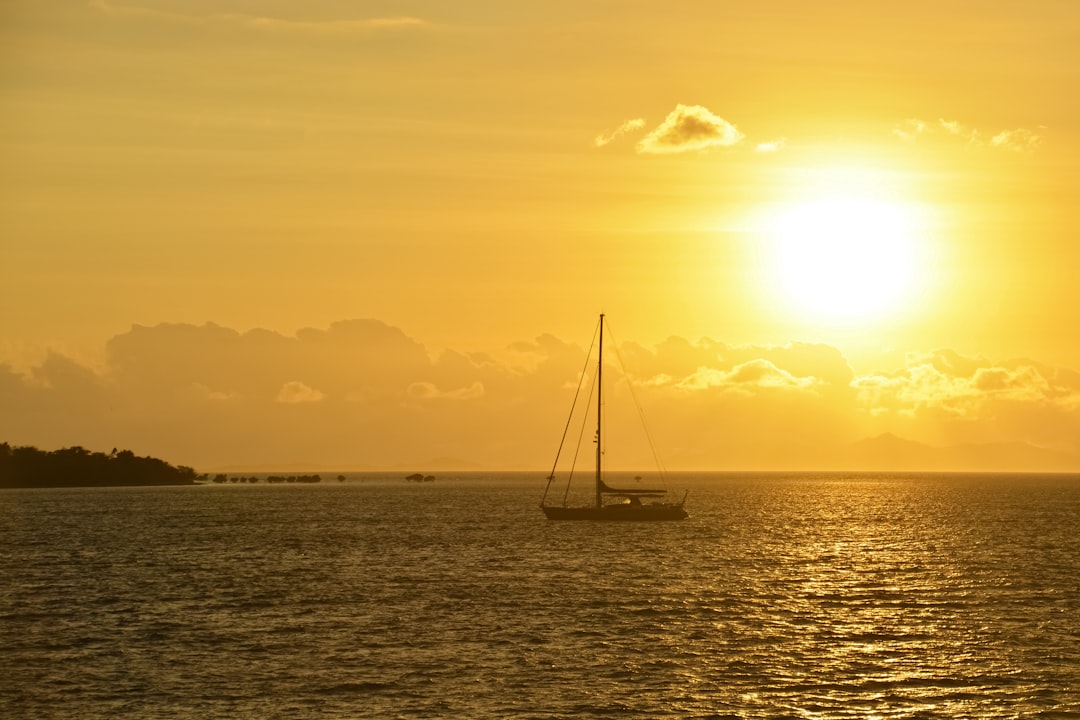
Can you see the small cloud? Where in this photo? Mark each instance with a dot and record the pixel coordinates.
(429, 391)
(609, 136)
(1018, 140)
(910, 129)
(954, 128)
(297, 392)
(703, 378)
(771, 146)
(913, 129)
(690, 128)
(206, 393)
(763, 373)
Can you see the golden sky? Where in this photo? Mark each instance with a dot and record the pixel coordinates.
(816, 223)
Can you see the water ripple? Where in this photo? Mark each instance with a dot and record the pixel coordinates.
(798, 597)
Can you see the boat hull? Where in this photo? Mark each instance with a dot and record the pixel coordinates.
(617, 513)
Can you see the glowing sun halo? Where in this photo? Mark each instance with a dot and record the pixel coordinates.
(843, 258)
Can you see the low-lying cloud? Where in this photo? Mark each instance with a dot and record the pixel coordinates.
(969, 399)
(363, 393)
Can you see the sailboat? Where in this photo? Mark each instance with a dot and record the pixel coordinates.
(610, 503)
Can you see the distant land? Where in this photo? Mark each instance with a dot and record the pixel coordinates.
(78, 467)
(29, 467)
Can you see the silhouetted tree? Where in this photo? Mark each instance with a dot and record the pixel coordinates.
(78, 467)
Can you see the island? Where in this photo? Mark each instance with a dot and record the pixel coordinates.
(29, 467)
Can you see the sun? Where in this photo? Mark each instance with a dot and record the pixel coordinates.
(843, 257)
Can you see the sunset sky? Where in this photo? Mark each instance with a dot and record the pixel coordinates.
(349, 234)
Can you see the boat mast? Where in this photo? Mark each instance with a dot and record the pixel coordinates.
(599, 407)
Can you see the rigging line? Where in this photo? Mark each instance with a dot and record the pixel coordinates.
(581, 438)
(637, 406)
(570, 417)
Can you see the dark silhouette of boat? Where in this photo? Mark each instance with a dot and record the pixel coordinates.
(610, 503)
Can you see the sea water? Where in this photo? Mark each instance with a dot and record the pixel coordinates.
(783, 596)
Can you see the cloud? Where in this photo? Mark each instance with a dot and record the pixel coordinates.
(758, 373)
(609, 136)
(1018, 140)
(429, 391)
(361, 392)
(1021, 384)
(676, 359)
(690, 128)
(913, 129)
(910, 129)
(946, 385)
(63, 375)
(360, 356)
(260, 22)
(771, 146)
(294, 392)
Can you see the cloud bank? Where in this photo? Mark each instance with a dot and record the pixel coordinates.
(361, 393)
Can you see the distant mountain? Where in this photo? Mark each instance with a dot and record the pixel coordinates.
(1015, 456)
(890, 452)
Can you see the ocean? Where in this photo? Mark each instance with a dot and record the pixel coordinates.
(783, 596)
